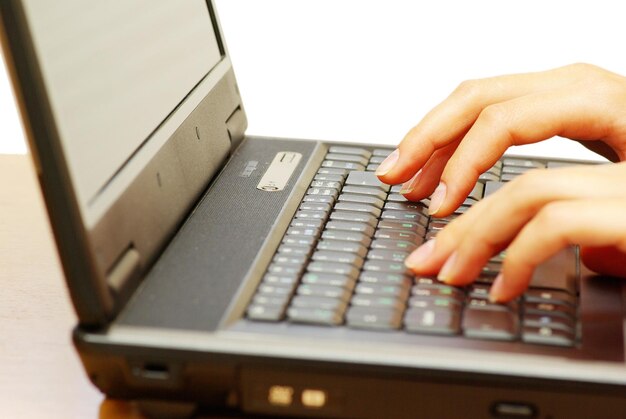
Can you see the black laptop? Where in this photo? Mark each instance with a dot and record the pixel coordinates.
(213, 270)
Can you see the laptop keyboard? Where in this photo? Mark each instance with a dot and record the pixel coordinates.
(341, 263)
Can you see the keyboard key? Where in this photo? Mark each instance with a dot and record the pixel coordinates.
(364, 228)
(477, 192)
(265, 312)
(315, 206)
(488, 324)
(359, 178)
(275, 290)
(365, 190)
(489, 177)
(330, 177)
(384, 266)
(427, 280)
(341, 257)
(374, 318)
(384, 278)
(388, 255)
(377, 160)
(319, 198)
(547, 335)
(396, 197)
(324, 303)
(382, 152)
(532, 164)
(348, 158)
(377, 302)
(366, 208)
(492, 187)
(562, 310)
(408, 236)
(401, 225)
(438, 321)
(285, 268)
(323, 192)
(427, 291)
(361, 217)
(342, 165)
(362, 199)
(304, 231)
(284, 258)
(343, 246)
(334, 268)
(479, 291)
(325, 184)
(314, 316)
(417, 217)
(333, 171)
(305, 241)
(351, 236)
(267, 300)
(407, 206)
(514, 170)
(435, 303)
(372, 167)
(386, 244)
(549, 296)
(396, 291)
(557, 273)
(484, 304)
(350, 150)
(319, 215)
(307, 223)
(551, 321)
(327, 291)
(335, 280)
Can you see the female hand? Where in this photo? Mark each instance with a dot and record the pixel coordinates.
(468, 132)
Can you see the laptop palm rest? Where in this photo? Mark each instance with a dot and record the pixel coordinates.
(192, 284)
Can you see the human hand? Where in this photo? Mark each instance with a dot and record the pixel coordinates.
(467, 133)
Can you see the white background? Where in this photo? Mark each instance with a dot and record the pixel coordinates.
(366, 71)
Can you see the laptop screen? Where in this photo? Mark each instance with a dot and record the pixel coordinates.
(115, 70)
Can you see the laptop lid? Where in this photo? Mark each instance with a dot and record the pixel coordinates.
(130, 109)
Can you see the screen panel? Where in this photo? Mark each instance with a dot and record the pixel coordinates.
(115, 74)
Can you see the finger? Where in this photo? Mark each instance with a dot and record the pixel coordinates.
(528, 119)
(492, 223)
(426, 179)
(429, 258)
(606, 260)
(556, 226)
(453, 117)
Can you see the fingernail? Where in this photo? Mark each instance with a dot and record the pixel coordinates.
(437, 198)
(408, 187)
(446, 269)
(420, 255)
(388, 163)
(495, 293)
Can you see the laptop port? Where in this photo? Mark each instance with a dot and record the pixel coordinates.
(513, 410)
(153, 371)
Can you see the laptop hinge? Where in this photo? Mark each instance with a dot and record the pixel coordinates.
(125, 269)
(236, 125)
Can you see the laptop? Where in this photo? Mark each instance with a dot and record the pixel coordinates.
(214, 270)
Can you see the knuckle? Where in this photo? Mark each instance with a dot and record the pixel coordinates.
(497, 116)
(469, 90)
(583, 68)
(550, 216)
(533, 179)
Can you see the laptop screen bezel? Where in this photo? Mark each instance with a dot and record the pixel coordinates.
(94, 257)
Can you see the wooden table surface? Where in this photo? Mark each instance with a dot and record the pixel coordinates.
(40, 373)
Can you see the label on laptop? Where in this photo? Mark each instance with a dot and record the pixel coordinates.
(277, 175)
